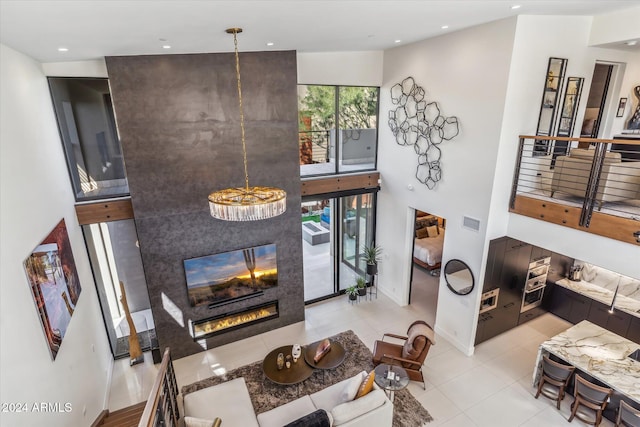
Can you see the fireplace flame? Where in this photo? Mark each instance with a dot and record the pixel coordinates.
(234, 320)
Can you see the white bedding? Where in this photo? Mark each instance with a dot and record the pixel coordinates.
(429, 249)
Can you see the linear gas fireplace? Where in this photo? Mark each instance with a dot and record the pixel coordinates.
(211, 326)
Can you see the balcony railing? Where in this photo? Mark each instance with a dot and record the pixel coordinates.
(584, 183)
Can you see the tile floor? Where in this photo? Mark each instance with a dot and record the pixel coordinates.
(491, 388)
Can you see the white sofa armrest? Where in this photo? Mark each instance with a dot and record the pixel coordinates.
(228, 401)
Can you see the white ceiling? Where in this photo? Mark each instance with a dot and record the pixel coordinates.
(93, 29)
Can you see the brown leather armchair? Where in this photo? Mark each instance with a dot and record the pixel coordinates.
(411, 354)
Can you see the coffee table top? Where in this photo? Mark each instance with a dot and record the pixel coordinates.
(298, 372)
(381, 377)
(331, 360)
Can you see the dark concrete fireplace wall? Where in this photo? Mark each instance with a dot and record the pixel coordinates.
(179, 124)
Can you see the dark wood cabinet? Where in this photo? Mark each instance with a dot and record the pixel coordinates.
(560, 304)
(569, 305)
(633, 333)
(494, 264)
(599, 314)
(575, 308)
(619, 323)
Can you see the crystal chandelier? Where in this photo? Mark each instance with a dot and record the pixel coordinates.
(248, 203)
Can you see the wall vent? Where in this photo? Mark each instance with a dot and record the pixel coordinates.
(471, 223)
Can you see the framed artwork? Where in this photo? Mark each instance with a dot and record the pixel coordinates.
(51, 272)
(621, 105)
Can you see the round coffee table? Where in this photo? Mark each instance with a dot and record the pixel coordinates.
(298, 372)
(330, 360)
(391, 385)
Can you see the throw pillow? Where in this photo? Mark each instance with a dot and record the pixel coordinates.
(421, 233)
(198, 422)
(367, 385)
(351, 389)
(432, 231)
(319, 418)
(411, 350)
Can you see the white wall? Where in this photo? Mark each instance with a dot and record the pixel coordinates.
(466, 72)
(35, 194)
(564, 37)
(616, 26)
(95, 68)
(340, 68)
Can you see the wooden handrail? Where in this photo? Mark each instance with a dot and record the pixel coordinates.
(589, 140)
(165, 373)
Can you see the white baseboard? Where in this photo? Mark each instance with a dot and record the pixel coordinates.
(107, 393)
(453, 340)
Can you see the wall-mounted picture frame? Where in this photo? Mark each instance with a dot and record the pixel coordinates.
(51, 272)
(553, 85)
(621, 106)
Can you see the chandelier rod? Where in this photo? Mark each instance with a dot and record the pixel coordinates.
(235, 31)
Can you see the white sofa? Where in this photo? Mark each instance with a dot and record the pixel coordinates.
(618, 181)
(231, 403)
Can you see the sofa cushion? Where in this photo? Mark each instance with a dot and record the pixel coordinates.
(350, 410)
(318, 418)
(332, 396)
(284, 414)
(229, 400)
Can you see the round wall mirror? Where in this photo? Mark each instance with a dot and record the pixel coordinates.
(459, 277)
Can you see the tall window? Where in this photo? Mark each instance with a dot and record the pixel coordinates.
(338, 128)
(88, 130)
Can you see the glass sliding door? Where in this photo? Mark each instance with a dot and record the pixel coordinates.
(356, 232)
(318, 248)
(334, 233)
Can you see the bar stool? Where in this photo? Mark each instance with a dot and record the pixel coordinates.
(627, 415)
(554, 379)
(592, 397)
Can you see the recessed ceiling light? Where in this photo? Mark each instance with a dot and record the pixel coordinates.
(444, 27)
(632, 43)
(270, 44)
(63, 49)
(397, 41)
(515, 6)
(166, 46)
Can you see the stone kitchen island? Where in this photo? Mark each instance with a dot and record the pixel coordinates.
(599, 356)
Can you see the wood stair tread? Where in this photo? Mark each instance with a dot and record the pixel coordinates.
(125, 417)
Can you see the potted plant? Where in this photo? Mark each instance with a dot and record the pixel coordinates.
(372, 256)
(352, 291)
(361, 286)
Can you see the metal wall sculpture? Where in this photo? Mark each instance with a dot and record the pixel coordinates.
(417, 122)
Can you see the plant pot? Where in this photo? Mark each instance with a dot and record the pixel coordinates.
(353, 297)
(362, 291)
(372, 269)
